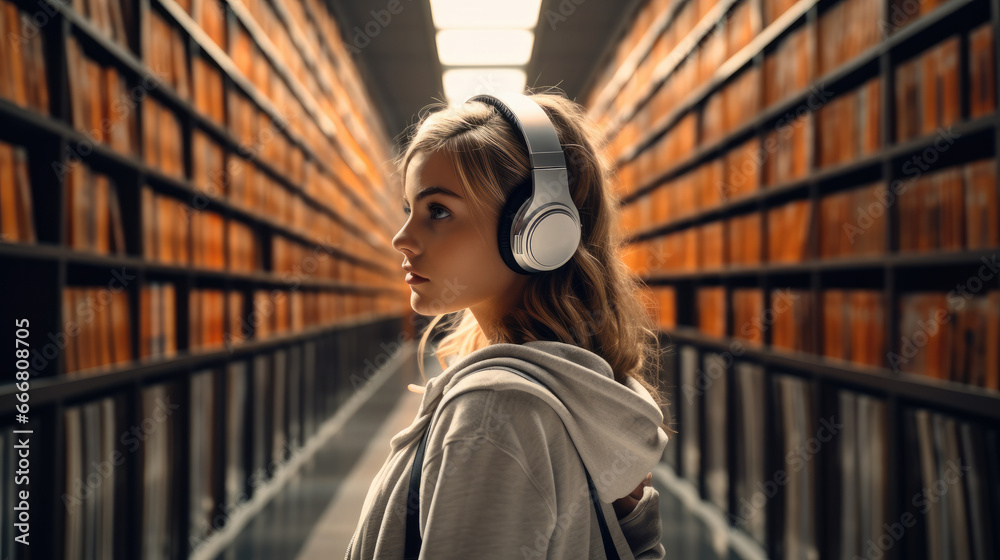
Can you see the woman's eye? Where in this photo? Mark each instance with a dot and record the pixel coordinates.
(435, 208)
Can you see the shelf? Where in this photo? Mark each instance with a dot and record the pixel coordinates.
(827, 175)
(222, 59)
(960, 398)
(47, 252)
(943, 13)
(165, 91)
(876, 263)
(47, 390)
(101, 151)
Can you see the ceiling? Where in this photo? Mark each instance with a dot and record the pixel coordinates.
(397, 54)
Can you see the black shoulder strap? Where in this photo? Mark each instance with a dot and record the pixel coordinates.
(412, 549)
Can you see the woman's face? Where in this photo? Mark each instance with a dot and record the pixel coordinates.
(442, 242)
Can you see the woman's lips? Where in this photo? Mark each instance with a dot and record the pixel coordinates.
(412, 279)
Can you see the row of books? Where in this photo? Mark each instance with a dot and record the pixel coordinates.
(158, 320)
(276, 392)
(260, 139)
(112, 18)
(164, 52)
(946, 210)
(108, 113)
(845, 128)
(210, 326)
(166, 232)
(159, 480)
(93, 471)
(102, 105)
(863, 475)
(730, 107)
(928, 90)
(209, 91)
(748, 315)
(848, 127)
(202, 463)
(244, 248)
(954, 337)
(97, 320)
(208, 165)
(854, 326)
(847, 29)
(788, 150)
(788, 231)
(162, 138)
(93, 212)
(950, 338)
(953, 484)
(17, 222)
(210, 16)
(928, 87)
(853, 222)
(950, 465)
(788, 69)
(951, 209)
(22, 59)
(95, 223)
(96, 328)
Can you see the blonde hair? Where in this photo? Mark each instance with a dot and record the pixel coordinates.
(594, 301)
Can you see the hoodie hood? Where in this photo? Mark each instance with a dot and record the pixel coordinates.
(615, 427)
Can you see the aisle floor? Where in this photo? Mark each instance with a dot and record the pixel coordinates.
(314, 515)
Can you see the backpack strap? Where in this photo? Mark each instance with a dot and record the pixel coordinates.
(411, 551)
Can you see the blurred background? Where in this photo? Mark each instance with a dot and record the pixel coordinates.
(213, 338)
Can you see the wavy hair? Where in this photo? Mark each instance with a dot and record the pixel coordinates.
(594, 301)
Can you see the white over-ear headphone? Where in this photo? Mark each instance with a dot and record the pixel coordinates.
(539, 227)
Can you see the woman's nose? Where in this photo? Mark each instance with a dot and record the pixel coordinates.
(404, 240)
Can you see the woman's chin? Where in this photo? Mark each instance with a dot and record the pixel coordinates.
(429, 306)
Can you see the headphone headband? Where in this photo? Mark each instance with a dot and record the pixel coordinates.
(533, 127)
(539, 228)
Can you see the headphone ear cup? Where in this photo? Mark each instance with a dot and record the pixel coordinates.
(517, 198)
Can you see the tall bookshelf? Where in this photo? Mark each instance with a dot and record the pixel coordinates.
(747, 134)
(220, 243)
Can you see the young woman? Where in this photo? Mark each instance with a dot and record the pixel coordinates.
(514, 467)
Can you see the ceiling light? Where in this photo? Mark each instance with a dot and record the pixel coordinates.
(461, 84)
(484, 47)
(485, 13)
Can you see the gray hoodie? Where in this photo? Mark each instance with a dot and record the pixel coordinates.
(502, 475)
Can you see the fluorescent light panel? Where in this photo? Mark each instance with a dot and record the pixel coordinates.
(485, 13)
(461, 84)
(484, 47)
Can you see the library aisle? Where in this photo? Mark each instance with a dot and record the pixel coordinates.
(314, 515)
(213, 333)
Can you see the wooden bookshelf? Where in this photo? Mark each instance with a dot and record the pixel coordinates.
(247, 279)
(777, 322)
